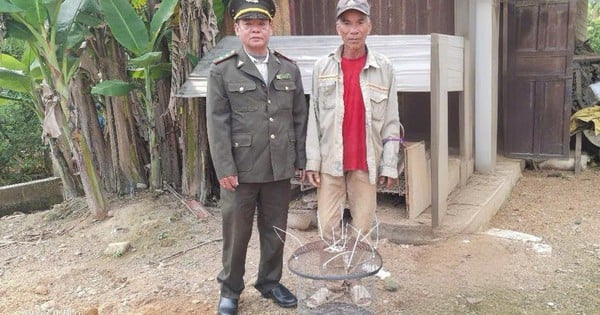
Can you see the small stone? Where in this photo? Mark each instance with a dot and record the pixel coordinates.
(116, 249)
(390, 284)
(90, 311)
(167, 242)
(195, 301)
(41, 290)
(48, 306)
(473, 300)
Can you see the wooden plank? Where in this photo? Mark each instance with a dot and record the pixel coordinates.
(417, 173)
(439, 130)
(577, 167)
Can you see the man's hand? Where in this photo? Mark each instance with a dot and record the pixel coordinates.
(229, 182)
(314, 178)
(301, 174)
(388, 181)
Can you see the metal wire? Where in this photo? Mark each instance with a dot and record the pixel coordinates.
(352, 259)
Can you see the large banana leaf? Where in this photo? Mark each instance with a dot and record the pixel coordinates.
(88, 20)
(67, 16)
(125, 25)
(163, 14)
(14, 80)
(113, 88)
(7, 7)
(18, 30)
(147, 59)
(34, 11)
(5, 99)
(157, 71)
(11, 63)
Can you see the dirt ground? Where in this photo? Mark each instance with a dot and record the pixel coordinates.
(52, 262)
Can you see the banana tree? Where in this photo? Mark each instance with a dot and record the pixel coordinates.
(51, 31)
(194, 35)
(24, 77)
(141, 41)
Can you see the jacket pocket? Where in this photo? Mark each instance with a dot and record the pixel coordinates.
(242, 151)
(379, 98)
(285, 92)
(327, 93)
(284, 85)
(240, 96)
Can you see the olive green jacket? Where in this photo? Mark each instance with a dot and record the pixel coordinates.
(256, 131)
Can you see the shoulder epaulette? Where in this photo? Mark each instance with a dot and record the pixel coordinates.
(278, 54)
(225, 57)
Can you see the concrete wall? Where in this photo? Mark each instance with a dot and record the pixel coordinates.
(31, 196)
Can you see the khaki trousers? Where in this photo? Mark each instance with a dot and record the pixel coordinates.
(270, 202)
(361, 195)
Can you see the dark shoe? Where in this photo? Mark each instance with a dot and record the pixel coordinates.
(282, 296)
(227, 306)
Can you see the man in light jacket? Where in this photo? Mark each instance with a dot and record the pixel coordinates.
(353, 126)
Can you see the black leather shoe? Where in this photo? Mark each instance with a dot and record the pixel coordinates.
(282, 296)
(227, 306)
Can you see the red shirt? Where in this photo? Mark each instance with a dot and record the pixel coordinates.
(354, 126)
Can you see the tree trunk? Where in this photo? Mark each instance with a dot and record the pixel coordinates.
(61, 167)
(60, 147)
(167, 134)
(81, 151)
(121, 131)
(195, 35)
(90, 126)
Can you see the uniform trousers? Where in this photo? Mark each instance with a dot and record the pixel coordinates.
(361, 195)
(270, 203)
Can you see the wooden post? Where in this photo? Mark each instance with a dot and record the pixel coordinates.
(577, 161)
(439, 129)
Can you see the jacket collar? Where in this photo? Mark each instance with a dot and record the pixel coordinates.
(371, 61)
(245, 64)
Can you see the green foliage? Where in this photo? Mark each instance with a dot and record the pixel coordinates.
(113, 88)
(138, 4)
(126, 26)
(594, 34)
(594, 24)
(21, 148)
(220, 8)
(12, 47)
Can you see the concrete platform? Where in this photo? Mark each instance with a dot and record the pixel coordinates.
(30, 196)
(470, 208)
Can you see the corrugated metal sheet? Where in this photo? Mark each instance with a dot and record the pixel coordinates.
(410, 54)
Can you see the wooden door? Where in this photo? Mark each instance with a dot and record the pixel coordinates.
(536, 96)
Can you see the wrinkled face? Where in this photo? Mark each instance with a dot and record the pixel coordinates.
(254, 34)
(353, 26)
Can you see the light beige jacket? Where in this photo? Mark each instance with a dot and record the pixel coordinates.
(324, 143)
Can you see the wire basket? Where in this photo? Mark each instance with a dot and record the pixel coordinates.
(335, 278)
(322, 261)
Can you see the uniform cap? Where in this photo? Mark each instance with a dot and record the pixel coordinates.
(358, 5)
(251, 9)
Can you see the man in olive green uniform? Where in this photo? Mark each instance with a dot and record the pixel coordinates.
(256, 117)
